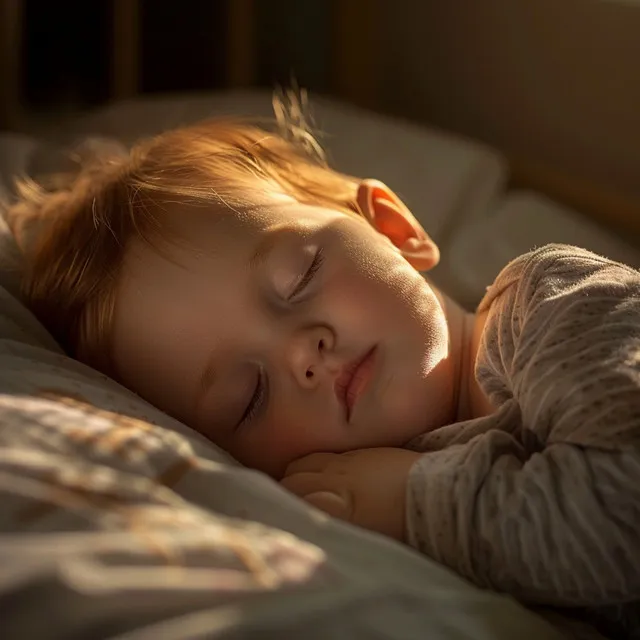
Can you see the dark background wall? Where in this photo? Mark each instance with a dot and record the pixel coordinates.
(68, 47)
(554, 84)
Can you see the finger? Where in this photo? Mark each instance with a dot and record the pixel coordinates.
(333, 504)
(303, 484)
(322, 492)
(313, 462)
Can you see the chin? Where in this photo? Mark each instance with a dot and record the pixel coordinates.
(416, 429)
(413, 419)
(395, 431)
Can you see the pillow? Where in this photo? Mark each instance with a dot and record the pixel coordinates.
(521, 221)
(115, 518)
(16, 151)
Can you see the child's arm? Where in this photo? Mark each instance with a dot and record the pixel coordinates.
(560, 528)
(546, 505)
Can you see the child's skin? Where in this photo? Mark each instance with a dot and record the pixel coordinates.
(206, 329)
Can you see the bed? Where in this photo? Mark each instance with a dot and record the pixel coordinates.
(117, 521)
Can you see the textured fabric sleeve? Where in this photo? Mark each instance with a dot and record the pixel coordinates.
(545, 502)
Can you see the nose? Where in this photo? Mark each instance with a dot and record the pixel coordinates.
(310, 356)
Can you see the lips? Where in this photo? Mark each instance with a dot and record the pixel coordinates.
(353, 380)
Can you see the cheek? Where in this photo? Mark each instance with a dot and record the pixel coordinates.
(384, 293)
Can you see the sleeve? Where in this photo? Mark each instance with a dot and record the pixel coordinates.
(547, 507)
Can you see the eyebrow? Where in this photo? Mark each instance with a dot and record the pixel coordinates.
(263, 249)
(207, 377)
(204, 381)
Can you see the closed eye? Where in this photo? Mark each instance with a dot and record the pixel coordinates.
(256, 402)
(306, 279)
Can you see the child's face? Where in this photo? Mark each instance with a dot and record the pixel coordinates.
(252, 331)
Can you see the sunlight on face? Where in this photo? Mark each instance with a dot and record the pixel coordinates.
(294, 330)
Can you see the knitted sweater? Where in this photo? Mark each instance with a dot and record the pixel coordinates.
(542, 498)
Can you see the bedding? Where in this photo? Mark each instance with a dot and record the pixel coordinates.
(16, 153)
(519, 222)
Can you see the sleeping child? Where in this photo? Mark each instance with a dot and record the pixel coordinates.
(229, 277)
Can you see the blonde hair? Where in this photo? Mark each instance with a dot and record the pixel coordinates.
(74, 237)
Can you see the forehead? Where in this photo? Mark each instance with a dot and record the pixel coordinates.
(178, 232)
(193, 240)
(227, 232)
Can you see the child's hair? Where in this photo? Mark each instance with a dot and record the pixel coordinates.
(74, 237)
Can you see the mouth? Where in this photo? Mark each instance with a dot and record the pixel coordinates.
(353, 380)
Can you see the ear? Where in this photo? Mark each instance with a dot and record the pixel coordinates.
(386, 213)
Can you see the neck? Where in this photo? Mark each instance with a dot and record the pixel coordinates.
(460, 324)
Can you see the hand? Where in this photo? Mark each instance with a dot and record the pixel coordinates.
(365, 487)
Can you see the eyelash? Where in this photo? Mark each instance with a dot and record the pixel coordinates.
(309, 275)
(257, 398)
